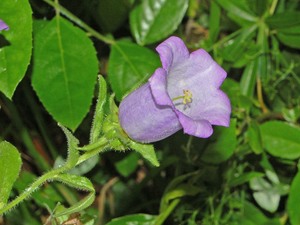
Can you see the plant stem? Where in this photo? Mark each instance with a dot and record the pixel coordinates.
(33, 187)
(79, 22)
(273, 7)
(260, 96)
(163, 216)
(51, 175)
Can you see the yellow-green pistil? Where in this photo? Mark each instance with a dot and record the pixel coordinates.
(187, 97)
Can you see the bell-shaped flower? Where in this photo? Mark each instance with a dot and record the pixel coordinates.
(183, 94)
(3, 26)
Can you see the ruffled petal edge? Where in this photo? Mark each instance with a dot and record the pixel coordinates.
(197, 128)
(158, 85)
(172, 51)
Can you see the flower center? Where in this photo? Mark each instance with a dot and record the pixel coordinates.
(187, 97)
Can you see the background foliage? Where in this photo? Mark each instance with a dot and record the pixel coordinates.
(49, 61)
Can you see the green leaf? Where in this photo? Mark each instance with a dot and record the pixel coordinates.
(64, 72)
(254, 137)
(290, 40)
(177, 188)
(251, 215)
(178, 192)
(281, 139)
(85, 166)
(293, 208)
(129, 66)
(267, 191)
(80, 183)
(147, 151)
(243, 178)
(222, 146)
(248, 79)
(232, 89)
(214, 21)
(154, 20)
(236, 47)
(265, 194)
(136, 219)
(99, 111)
(73, 153)
(238, 11)
(258, 6)
(127, 165)
(10, 165)
(15, 57)
(284, 20)
(287, 25)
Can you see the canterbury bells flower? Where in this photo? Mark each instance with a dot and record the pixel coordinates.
(183, 94)
(3, 26)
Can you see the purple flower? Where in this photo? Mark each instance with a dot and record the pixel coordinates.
(3, 26)
(183, 94)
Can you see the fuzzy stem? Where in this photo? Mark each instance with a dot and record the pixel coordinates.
(51, 175)
(33, 187)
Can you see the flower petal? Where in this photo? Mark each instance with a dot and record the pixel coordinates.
(145, 121)
(172, 51)
(3, 26)
(202, 76)
(198, 128)
(158, 85)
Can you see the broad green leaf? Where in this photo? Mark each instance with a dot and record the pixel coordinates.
(222, 146)
(135, 219)
(146, 150)
(293, 208)
(10, 165)
(64, 72)
(15, 57)
(154, 20)
(130, 65)
(127, 165)
(281, 139)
